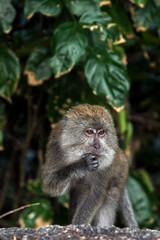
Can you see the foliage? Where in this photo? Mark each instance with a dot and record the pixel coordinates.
(143, 199)
(35, 216)
(56, 54)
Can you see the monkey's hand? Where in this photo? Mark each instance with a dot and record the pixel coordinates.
(92, 163)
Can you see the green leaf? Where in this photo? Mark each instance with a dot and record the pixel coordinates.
(9, 72)
(113, 33)
(144, 198)
(46, 7)
(95, 18)
(140, 201)
(38, 66)
(107, 76)
(69, 43)
(7, 15)
(145, 17)
(96, 38)
(120, 17)
(103, 33)
(89, 12)
(79, 7)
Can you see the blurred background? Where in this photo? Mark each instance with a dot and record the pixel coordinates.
(57, 54)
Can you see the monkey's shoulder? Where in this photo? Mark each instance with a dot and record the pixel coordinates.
(120, 155)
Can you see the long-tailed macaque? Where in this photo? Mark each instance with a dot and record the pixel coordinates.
(83, 157)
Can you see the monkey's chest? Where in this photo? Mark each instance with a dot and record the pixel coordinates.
(87, 179)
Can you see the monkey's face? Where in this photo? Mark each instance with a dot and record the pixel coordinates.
(102, 143)
(94, 136)
(89, 130)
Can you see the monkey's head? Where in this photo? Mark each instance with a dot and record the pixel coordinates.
(89, 129)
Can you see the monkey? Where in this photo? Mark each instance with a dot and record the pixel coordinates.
(83, 157)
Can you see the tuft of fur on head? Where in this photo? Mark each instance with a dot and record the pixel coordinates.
(94, 114)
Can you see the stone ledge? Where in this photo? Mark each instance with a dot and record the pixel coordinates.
(78, 232)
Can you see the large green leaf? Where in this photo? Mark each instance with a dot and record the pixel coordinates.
(91, 16)
(7, 15)
(69, 43)
(143, 200)
(38, 66)
(46, 7)
(88, 11)
(145, 17)
(79, 7)
(9, 72)
(107, 76)
(113, 33)
(140, 201)
(95, 18)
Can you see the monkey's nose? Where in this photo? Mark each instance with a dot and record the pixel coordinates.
(96, 145)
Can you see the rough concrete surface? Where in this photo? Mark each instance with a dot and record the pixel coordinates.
(77, 232)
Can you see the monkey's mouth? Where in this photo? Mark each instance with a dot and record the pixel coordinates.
(97, 152)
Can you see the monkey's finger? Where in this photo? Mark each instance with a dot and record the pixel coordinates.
(96, 165)
(93, 157)
(94, 162)
(92, 168)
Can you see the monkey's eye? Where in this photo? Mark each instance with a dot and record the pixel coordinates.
(101, 132)
(89, 132)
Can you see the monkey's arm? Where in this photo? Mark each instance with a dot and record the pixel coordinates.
(127, 210)
(58, 182)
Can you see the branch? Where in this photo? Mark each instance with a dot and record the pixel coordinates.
(18, 209)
